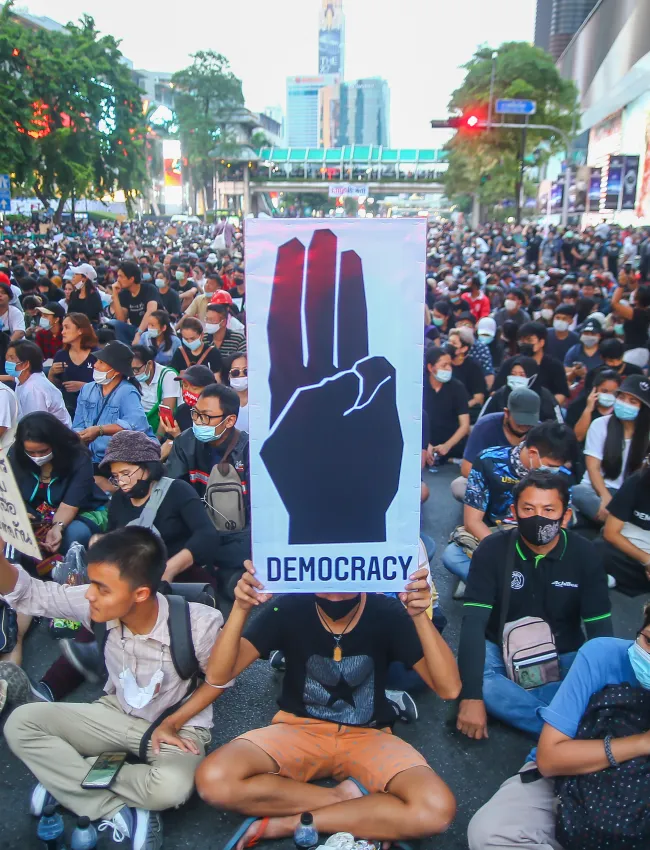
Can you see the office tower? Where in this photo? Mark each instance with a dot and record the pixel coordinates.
(303, 109)
(331, 38)
(543, 24)
(364, 112)
(555, 29)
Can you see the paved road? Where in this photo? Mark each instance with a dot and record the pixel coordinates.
(473, 770)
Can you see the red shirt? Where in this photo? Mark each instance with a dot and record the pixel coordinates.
(48, 343)
(478, 307)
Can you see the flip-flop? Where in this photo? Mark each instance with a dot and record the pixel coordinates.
(255, 839)
(361, 788)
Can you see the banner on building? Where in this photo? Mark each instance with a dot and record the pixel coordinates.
(335, 401)
(330, 37)
(614, 182)
(557, 196)
(630, 180)
(347, 190)
(579, 191)
(643, 206)
(594, 189)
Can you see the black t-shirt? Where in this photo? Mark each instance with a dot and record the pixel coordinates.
(577, 408)
(551, 375)
(636, 328)
(73, 372)
(351, 691)
(443, 409)
(212, 359)
(631, 502)
(171, 302)
(91, 306)
(567, 585)
(470, 374)
(558, 348)
(183, 416)
(136, 305)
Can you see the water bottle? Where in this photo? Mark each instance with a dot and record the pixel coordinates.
(306, 834)
(84, 836)
(50, 828)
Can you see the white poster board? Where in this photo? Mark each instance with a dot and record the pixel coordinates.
(335, 312)
(15, 527)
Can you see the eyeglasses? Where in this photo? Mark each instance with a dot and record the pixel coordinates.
(205, 418)
(120, 477)
(239, 373)
(139, 370)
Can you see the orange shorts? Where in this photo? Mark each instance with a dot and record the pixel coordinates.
(304, 749)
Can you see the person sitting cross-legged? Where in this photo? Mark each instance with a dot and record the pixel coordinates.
(549, 573)
(334, 719)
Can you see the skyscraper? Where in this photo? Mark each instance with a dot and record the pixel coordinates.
(543, 24)
(303, 128)
(331, 38)
(364, 112)
(557, 21)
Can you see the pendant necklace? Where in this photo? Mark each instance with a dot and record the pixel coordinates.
(337, 655)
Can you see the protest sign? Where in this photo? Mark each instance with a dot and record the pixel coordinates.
(15, 527)
(335, 363)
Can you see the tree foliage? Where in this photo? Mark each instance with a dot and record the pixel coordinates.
(72, 116)
(522, 71)
(207, 94)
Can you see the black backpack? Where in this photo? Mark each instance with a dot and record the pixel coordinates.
(181, 644)
(608, 810)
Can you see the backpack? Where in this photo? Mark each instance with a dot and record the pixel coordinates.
(181, 645)
(608, 809)
(153, 415)
(224, 494)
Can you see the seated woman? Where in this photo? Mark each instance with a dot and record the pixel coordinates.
(157, 383)
(73, 366)
(235, 374)
(598, 402)
(160, 337)
(627, 533)
(615, 448)
(524, 811)
(446, 405)
(194, 351)
(522, 372)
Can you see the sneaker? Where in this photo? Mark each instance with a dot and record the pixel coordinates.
(611, 582)
(3, 694)
(19, 688)
(41, 692)
(404, 705)
(40, 798)
(459, 593)
(277, 661)
(142, 827)
(85, 659)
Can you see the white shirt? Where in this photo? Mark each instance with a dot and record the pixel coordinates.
(37, 393)
(170, 387)
(242, 419)
(8, 415)
(12, 320)
(595, 446)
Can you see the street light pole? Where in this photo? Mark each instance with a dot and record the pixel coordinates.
(492, 78)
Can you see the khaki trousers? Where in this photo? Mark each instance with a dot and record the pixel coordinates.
(519, 815)
(54, 741)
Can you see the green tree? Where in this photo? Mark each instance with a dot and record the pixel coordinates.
(82, 131)
(207, 94)
(521, 71)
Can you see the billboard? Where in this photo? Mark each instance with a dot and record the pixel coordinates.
(630, 180)
(330, 37)
(173, 177)
(327, 382)
(614, 182)
(594, 189)
(557, 196)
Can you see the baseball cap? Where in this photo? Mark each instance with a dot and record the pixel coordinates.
(52, 308)
(524, 405)
(87, 270)
(591, 326)
(197, 376)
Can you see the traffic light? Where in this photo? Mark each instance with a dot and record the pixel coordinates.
(472, 119)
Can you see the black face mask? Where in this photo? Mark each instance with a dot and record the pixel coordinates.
(140, 489)
(337, 610)
(527, 349)
(539, 530)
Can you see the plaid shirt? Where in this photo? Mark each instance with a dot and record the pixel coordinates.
(48, 343)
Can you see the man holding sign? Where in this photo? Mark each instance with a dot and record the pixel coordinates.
(334, 719)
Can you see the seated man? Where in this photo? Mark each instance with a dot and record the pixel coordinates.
(553, 574)
(54, 740)
(488, 498)
(523, 812)
(334, 719)
(531, 338)
(627, 533)
(466, 370)
(498, 429)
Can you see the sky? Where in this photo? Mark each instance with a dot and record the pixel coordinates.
(416, 45)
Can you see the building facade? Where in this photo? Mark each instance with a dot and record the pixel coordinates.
(543, 17)
(303, 128)
(364, 113)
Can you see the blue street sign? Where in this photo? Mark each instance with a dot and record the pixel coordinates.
(515, 107)
(5, 193)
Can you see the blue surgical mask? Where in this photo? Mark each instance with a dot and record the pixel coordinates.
(44, 324)
(10, 369)
(204, 433)
(516, 382)
(42, 272)
(153, 333)
(640, 661)
(105, 299)
(619, 329)
(142, 377)
(161, 283)
(606, 399)
(437, 321)
(624, 411)
(194, 345)
(443, 375)
(146, 276)
(486, 339)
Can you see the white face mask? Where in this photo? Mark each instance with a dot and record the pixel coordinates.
(101, 378)
(79, 285)
(510, 304)
(134, 695)
(547, 314)
(561, 325)
(516, 382)
(212, 329)
(40, 461)
(239, 384)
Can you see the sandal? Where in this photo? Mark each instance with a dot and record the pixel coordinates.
(255, 839)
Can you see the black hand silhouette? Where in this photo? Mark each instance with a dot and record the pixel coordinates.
(335, 448)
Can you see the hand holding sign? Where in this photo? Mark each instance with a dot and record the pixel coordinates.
(334, 419)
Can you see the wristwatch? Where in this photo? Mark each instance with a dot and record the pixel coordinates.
(58, 522)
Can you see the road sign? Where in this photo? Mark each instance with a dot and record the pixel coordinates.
(5, 193)
(515, 107)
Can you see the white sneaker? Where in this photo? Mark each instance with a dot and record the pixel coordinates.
(459, 593)
(40, 798)
(404, 705)
(611, 582)
(143, 827)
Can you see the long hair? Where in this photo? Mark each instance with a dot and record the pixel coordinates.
(88, 340)
(612, 462)
(41, 427)
(164, 320)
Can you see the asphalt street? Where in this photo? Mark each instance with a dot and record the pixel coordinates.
(473, 770)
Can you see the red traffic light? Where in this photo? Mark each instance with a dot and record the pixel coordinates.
(472, 120)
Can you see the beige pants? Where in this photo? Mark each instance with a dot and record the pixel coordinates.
(519, 815)
(54, 741)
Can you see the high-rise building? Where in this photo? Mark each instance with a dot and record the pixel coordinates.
(557, 21)
(331, 38)
(303, 127)
(364, 112)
